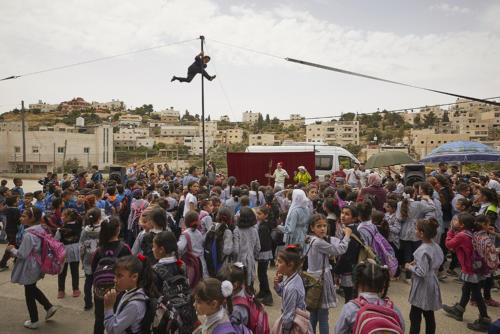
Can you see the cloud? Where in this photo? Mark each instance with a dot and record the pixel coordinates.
(449, 9)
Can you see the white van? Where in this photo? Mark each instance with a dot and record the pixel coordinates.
(328, 158)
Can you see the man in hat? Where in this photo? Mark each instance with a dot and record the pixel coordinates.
(279, 176)
(199, 65)
(302, 175)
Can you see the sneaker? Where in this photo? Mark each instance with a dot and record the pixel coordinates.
(50, 312)
(173, 79)
(452, 272)
(492, 302)
(60, 294)
(480, 325)
(456, 311)
(31, 325)
(76, 293)
(407, 280)
(268, 300)
(88, 307)
(494, 289)
(4, 268)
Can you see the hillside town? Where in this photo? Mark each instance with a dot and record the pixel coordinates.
(105, 133)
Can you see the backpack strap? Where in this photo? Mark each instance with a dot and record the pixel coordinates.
(188, 238)
(224, 328)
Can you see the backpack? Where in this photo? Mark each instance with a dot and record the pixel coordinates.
(175, 312)
(258, 321)
(124, 212)
(147, 247)
(214, 256)
(147, 321)
(193, 263)
(383, 249)
(365, 252)
(53, 253)
(179, 214)
(173, 226)
(484, 256)
(376, 318)
(232, 327)
(136, 212)
(51, 223)
(104, 275)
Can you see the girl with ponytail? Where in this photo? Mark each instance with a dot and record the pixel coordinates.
(89, 241)
(134, 282)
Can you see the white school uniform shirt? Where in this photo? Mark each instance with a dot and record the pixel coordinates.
(190, 198)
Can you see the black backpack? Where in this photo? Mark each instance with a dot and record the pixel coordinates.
(175, 312)
(174, 227)
(179, 214)
(212, 251)
(147, 247)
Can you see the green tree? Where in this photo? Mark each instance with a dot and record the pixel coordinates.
(348, 117)
(187, 117)
(155, 116)
(354, 149)
(208, 118)
(275, 121)
(268, 119)
(197, 117)
(446, 119)
(116, 116)
(260, 122)
(430, 119)
(71, 164)
(146, 109)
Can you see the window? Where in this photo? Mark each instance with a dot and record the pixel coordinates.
(34, 149)
(60, 149)
(17, 149)
(346, 161)
(323, 162)
(86, 149)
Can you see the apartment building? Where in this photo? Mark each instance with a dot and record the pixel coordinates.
(334, 132)
(179, 131)
(229, 136)
(195, 144)
(262, 139)
(423, 141)
(46, 151)
(76, 104)
(113, 105)
(170, 115)
(296, 120)
(250, 117)
(130, 119)
(43, 106)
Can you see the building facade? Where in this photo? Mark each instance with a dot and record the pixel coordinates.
(170, 115)
(261, 139)
(130, 119)
(250, 117)
(334, 132)
(43, 107)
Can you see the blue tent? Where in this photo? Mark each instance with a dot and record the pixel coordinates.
(462, 151)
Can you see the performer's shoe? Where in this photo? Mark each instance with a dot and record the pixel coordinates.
(173, 79)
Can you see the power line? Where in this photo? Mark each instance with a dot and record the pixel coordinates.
(96, 60)
(248, 49)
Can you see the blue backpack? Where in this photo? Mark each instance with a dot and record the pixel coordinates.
(213, 255)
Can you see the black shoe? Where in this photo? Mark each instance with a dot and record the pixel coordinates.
(456, 311)
(259, 295)
(268, 300)
(271, 264)
(480, 325)
(88, 307)
(173, 78)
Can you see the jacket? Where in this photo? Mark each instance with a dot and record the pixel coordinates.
(347, 261)
(266, 242)
(12, 215)
(461, 244)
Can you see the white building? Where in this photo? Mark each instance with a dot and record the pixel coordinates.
(143, 132)
(225, 118)
(145, 142)
(170, 115)
(179, 131)
(12, 126)
(114, 105)
(296, 120)
(335, 132)
(195, 144)
(46, 151)
(210, 129)
(250, 117)
(129, 119)
(43, 106)
(263, 139)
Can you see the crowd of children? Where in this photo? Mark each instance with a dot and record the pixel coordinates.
(158, 238)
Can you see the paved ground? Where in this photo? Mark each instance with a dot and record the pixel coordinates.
(72, 318)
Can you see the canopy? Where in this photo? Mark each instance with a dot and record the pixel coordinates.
(388, 158)
(462, 151)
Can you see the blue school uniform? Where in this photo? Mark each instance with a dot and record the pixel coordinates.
(293, 296)
(129, 317)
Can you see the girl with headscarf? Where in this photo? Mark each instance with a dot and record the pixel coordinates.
(295, 227)
(376, 190)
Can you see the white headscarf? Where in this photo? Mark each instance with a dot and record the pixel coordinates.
(299, 200)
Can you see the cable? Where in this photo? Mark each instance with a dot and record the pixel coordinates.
(96, 60)
(220, 83)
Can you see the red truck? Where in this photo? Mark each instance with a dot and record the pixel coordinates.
(247, 167)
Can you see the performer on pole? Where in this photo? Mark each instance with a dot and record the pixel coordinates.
(199, 65)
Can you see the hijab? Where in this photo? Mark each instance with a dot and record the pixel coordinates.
(299, 200)
(374, 180)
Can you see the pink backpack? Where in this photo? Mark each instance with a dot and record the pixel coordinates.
(53, 253)
(193, 264)
(376, 318)
(258, 321)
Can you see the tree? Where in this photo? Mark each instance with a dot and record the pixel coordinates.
(197, 117)
(116, 116)
(417, 121)
(275, 121)
(354, 149)
(268, 119)
(430, 119)
(160, 145)
(71, 164)
(446, 119)
(260, 122)
(187, 117)
(348, 117)
(155, 116)
(146, 109)
(208, 118)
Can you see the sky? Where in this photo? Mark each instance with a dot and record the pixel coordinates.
(452, 46)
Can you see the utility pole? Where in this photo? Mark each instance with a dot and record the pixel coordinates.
(202, 39)
(24, 136)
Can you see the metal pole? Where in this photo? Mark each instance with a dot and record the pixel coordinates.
(24, 136)
(54, 162)
(202, 38)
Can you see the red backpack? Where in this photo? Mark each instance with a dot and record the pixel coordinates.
(193, 264)
(258, 322)
(376, 318)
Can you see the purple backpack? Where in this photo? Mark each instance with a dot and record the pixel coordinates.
(383, 249)
(232, 327)
(53, 253)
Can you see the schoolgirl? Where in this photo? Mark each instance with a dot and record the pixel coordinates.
(190, 202)
(295, 227)
(89, 241)
(284, 199)
(134, 284)
(108, 243)
(459, 239)
(153, 221)
(247, 242)
(347, 261)
(206, 222)
(321, 247)
(425, 293)
(166, 253)
(224, 228)
(69, 235)
(394, 231)
(233, 202)
(372, 283)
(365, 226)
(408, 212)
(256, 197)
(27, 269)
(265, 227)
(137, 206)
(227, 193)
(195, 238)
(331, 208)
(291, 290)
(210, 297)
(378, 219)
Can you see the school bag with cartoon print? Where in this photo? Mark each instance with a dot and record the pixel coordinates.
(104, 274)
(378, 317)
(53, 253)
(383, 249)
(484, 256)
